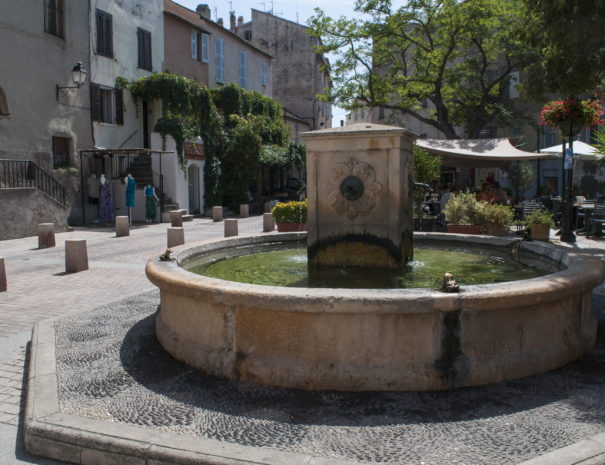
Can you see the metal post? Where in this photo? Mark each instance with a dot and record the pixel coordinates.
(82, 189)
(162, 195)
(567, 234)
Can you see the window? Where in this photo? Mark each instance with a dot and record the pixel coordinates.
(61, 152)
(248, 35)
(107, 104)
(194, 45)
(549, 137)
(205, 48)
(243, 81)
(264, 73)
(144, 40)
(513, 83)
(53, 18)
(219, 64)
(104, 34)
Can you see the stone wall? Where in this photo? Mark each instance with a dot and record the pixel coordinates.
(22, 209)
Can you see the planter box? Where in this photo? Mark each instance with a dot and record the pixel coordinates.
(539, 232)
(291, 227)
(464, 229)
(495, 230)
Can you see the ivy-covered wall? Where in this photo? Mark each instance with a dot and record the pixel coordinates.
(239, 128)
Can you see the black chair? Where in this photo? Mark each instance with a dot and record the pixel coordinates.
(598, 220)
(583, 215)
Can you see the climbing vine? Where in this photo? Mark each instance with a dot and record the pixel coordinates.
(235, 124)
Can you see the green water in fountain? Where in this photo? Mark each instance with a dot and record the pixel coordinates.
(288, 268)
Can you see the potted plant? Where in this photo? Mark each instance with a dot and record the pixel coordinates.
(571, 115)
(290, 216)
(540, 222)
(463, 214)
(496, 219)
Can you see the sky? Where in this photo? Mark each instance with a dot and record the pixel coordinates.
(294, 10)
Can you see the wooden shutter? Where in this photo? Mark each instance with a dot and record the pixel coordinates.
(119, 106)
(148, 51)
(95, 102)
(141, 43)
(109, 34)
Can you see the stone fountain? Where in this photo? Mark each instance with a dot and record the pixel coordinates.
(360, 214)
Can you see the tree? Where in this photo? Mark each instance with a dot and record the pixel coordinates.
(455, 55)
(520, 176)
(569, 45)
(427, 168)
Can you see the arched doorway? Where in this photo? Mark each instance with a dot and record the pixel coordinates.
(193, 174)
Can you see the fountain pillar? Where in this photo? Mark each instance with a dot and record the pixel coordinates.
(359, 180)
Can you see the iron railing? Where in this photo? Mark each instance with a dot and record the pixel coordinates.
(25, 173)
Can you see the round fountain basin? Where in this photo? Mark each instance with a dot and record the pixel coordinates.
(375, 339)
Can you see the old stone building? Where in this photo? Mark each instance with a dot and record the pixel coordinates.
(299, 73)
(44, 114)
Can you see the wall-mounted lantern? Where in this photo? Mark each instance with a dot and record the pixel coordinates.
(78, 76)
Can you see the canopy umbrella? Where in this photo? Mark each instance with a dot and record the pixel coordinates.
(581, 150)
(478, 153)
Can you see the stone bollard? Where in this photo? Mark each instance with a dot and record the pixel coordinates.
(244, 210)
(230, 227)
(217, 214)
(3, 285)
(76, 255)
(46, 235)
(122, 226)
(268, 207)
(268, 223)
(175, 236)
(176, 218)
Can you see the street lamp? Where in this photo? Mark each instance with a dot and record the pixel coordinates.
(78, 76)
(567, 234)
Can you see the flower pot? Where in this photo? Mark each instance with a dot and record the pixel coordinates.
(464, 229)
(539, 232)
(567, 126)
(290, 227)
(495, 230)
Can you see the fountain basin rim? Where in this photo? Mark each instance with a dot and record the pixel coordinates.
(581, 272)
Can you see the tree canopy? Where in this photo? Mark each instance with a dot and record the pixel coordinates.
(443, 62)
(569, 43)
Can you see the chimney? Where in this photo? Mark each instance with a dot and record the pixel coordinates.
(219, 21)
(232, 21)
(240, 21)
(203, 11)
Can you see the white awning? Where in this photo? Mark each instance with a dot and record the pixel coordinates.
(478, 153)
(581, 150)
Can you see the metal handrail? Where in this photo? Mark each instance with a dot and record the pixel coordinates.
(25, 173)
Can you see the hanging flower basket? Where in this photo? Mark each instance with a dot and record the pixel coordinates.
(571, 115)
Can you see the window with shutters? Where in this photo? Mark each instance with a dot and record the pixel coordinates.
(264, 74)
(205, 48)
(194, 45)
(219, 64)
(61, 147)
(104, 33)
(107, 104)
(144, 41)
(243, 73)
(54, 22)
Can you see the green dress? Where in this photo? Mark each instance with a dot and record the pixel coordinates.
(149, 203)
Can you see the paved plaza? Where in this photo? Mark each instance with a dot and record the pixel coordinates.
(515, 420)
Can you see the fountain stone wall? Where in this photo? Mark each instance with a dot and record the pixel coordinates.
(359, 194)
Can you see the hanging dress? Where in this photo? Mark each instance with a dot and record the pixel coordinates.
(106, 213)
(149, 202)
(130, 190)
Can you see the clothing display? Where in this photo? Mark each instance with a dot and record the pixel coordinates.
(150, 200)
(92, 185)
(106, 213)
(131, 187)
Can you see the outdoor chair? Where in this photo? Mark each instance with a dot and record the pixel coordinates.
(527, 207)
(583, 215)
(598, 220)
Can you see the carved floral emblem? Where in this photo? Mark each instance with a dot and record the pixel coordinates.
(352, 188)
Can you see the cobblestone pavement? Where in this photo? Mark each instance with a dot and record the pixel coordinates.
(111, 367)
(39, 288)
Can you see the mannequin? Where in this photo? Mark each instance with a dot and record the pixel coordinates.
(131, 187)
(150, 199)
(106, 213)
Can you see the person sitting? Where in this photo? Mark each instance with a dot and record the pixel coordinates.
(500, 194)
